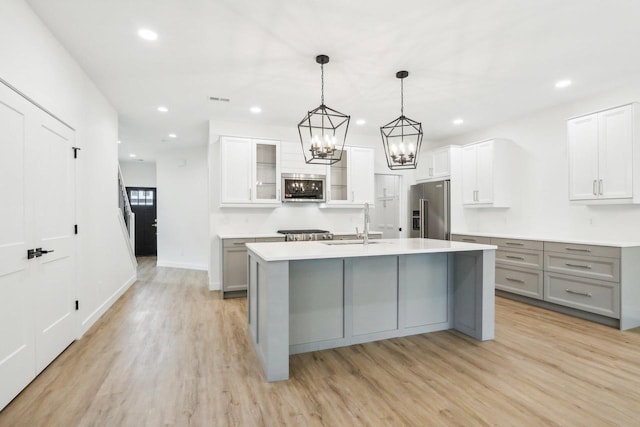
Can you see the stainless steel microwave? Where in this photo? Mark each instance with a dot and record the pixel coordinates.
(303, 188)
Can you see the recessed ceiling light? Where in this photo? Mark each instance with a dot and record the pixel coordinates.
(119, 142)
(255, 110)
(458, 122)
(173, 135)
(163, 109)
(563, 83)
(132, 155)
(148, 34)
(361, 122)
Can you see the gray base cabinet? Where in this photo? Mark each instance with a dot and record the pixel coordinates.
(597, 279)
(234, 264)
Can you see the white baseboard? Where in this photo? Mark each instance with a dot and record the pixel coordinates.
(184, 265)
(214, 286)
(97, 313)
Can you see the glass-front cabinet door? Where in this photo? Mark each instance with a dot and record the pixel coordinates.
(249, 172)
(267, 173)
(339, 179)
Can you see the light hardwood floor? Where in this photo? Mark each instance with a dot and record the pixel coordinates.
(170, 352)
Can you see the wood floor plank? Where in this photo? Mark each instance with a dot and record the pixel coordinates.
(170, 352)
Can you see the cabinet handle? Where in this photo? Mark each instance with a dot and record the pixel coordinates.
(600, 187)
(353, 196)
(511, 279)
(514, 257)
(430, 171)
(578, 249)
(514, 244)
(468, 240)
(578, 265)
(250, 194)
(238, 243)
(595, 183)
(584, 294)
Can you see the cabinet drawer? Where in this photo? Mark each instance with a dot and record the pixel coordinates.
(519, 258)
(471, 239)
(517, 243)
(584, 266)
(519, 281)
(269, 239)
(234, 243)
(592, 250)
(596, 296)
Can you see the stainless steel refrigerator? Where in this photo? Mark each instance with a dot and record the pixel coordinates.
(430, 213)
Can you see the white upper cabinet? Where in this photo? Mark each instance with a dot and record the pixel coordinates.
(602, 156)
(350, 182)
(250, 172)
(486, 173)
(435, 164)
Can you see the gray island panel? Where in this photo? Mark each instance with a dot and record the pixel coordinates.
(351, 296)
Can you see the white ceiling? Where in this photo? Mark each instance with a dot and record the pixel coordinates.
(485, 61)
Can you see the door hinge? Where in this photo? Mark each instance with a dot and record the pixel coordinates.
(77, 305)
(75, 151)
(75, 229)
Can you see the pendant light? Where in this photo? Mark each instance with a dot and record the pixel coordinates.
(402, 137)
(323, 131)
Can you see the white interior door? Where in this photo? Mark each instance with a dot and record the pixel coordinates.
(17, 347)
(385, 216)
(38, 211)
(54, 207)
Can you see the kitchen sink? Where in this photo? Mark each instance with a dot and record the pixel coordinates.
(350, 242)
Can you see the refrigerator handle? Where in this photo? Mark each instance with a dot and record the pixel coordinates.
(424, 209)
(447, 200)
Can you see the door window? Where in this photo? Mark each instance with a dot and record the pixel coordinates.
(142, 197)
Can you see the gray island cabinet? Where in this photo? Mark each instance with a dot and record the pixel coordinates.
(310, 296)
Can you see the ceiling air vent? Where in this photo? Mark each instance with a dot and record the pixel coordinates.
(219, 99)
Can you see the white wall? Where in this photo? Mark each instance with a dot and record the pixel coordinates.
(289, 216)
(34, 62)
(139, 174)
(541, 207)
(183, 197)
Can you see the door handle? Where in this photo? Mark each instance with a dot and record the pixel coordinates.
(154, 225)
(33, 253)
(595, 183)
(37, 253)
(600, 187)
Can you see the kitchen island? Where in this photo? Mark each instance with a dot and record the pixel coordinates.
(308, 296)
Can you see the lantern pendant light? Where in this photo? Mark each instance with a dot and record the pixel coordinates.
(402, 137)
(323, 131)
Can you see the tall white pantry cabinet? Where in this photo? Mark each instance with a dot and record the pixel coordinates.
(603, 155)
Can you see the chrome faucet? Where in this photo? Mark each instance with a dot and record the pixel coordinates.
(367, 220)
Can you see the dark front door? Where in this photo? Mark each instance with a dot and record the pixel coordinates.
(143, 204)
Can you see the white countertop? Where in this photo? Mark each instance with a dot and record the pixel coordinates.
(554, 239)
(249, 235)
(279, 251)
(265, 235)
